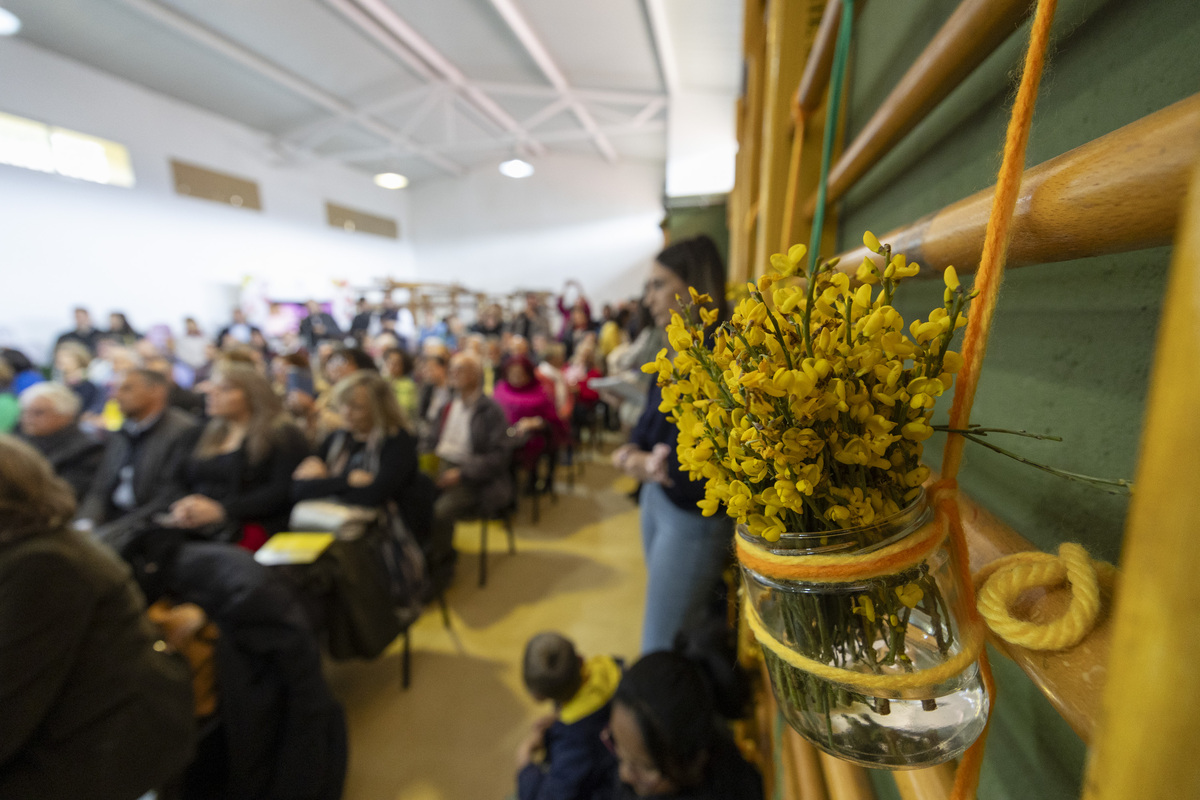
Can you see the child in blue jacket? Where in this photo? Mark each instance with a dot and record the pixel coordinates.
(575, 763)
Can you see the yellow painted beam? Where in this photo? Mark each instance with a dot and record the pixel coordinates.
(1146, 746)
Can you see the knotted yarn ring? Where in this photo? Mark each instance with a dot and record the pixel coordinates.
(1004, 580)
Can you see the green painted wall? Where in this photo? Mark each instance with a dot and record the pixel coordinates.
(1072, 344)
(684, 222)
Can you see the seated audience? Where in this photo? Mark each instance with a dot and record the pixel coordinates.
(120, 329)
(139, 477)
(530, 408)
(177, 396)
(192, 347)
(49, 422)
(84, 332)
(668, 739)
(25, 374)
(434, 398)
(373, 462)
(360, 325)
(551, 371)
(318, 326)
(579, 375)
(239, 330)
(574, 763)
(398, 367)
(474, 449)
(91, 706)
(71, 361)
(238, 478)
(10, 409)
(278, 732)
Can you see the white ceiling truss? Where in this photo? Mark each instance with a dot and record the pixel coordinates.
(427, 88)
(448, 120)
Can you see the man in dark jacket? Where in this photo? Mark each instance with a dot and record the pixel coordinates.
(318, 326)
(49, 414)
(140, 475)
(279, 732)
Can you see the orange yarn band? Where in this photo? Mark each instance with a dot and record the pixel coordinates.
(890, 560)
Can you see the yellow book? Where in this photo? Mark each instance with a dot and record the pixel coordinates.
(293, 548)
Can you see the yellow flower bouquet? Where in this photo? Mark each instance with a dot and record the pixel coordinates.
(805, 414)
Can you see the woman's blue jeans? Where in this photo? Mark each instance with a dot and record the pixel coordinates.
(685, 555)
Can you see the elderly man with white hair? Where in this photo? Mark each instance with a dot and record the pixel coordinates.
(50, 422)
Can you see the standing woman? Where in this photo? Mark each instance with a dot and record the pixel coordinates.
(240, 474)
(685, 551)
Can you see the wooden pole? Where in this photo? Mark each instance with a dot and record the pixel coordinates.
(844, 780)
(809, 780)
(931, 783)
(973, 31)
(791, 27)
(820, 60)
(1118, 193)
(1146, 747)
(743, 212)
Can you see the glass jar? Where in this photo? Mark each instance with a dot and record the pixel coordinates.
(892, 625)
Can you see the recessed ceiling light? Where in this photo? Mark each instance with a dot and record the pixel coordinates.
(9, 24)
(516, 168)
(391, 180)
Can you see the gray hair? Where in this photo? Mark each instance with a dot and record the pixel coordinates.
(64, 400)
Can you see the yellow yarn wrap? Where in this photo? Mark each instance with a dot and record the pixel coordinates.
(972, 644)
(1002, 582)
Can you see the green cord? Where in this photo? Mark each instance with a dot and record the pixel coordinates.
(840, 56)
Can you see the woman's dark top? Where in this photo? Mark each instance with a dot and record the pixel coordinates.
(261, 492)
(653, 428)
(394, 465)
(91, 397)
(728, 777)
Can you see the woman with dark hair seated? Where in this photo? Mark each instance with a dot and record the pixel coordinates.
(530, 408)
(668, 738)
(240, 474)
(91, 704)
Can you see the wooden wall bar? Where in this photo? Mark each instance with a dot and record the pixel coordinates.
(932, 783)
(1147, 743)
(791, 28)
(973, 31)
(1118, 193)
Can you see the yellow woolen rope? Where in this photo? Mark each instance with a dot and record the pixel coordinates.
(1002, 581)
(972, 644)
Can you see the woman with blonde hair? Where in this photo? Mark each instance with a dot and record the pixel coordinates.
(239, 474)
(92, 706)
(373, 460)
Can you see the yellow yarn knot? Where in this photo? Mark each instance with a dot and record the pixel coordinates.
(1003, 581)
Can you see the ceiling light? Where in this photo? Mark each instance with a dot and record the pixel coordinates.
(9, 24)
(390, 180)
(516, 168)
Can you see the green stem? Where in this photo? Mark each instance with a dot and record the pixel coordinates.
(1121, 485)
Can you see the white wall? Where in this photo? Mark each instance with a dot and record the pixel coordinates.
(575, 217)
(146, 250)
(701, 143)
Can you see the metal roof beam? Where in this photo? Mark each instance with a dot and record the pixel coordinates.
(218, 44)
(407, 39)
(537, 50)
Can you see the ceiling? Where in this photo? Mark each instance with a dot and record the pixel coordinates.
(425, 88)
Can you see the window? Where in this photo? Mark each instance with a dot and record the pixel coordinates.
(46, 148)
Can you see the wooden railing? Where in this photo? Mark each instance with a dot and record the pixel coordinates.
(1118, 193)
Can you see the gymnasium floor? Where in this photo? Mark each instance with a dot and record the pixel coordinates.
(453, 734)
